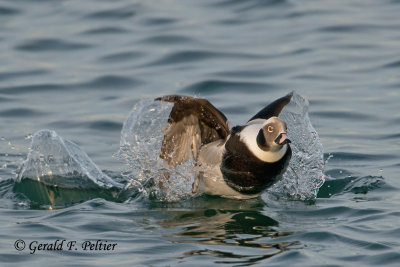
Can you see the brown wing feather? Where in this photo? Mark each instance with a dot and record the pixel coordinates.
(193, 122)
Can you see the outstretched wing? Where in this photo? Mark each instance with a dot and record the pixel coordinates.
(193, 122)
(273, 109)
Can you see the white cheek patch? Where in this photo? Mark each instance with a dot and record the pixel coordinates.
(249, 136)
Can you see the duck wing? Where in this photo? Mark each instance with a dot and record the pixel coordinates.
(192, 123)
(273, 109)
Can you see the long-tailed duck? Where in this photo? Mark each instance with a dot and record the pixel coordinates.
(234, 162)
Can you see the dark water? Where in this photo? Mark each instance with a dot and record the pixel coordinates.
(78, 67)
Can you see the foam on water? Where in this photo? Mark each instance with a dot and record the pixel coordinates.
(142, 135)
(55, 161)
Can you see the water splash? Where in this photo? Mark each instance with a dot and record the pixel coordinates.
(140, 145)
(305, 173)
(57, 162)
(141, 139)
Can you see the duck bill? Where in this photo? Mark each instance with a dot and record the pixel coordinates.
(282, 139)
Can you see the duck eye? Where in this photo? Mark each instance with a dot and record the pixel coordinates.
(270, 129)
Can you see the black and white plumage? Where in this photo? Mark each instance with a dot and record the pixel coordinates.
(236, 162)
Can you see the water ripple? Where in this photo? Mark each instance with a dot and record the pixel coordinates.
(5, 99)
(390, 136)
(308, 13)
(65, 124)
(111, 82)
(330, 238)
(366, 184)
(43, 45)
(158, 21)
(102, 82)
(35, 227)
(236, 109)
(118, 13)
(349, 28)
(194, 55)
(106, 125)
(355, 185)
(167, 39)
(121, 56)
(106, 30)
(17, 74)
(254, 73)
(23, 89)
(247, 5)
(7, 11)
(21, 112)
(383, 258)
(393, 64)
(221, 86)
(101, 125)
(348, 156)
(376, 217)
(343, 115)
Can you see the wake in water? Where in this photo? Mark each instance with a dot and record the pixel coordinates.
(59, 168)
(142, 135)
